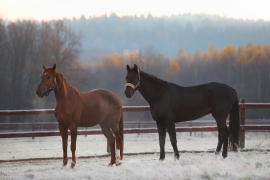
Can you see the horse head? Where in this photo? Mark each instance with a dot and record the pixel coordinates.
(132, 80)
(47, 83)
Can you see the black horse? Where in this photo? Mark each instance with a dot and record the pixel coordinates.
(170, 103)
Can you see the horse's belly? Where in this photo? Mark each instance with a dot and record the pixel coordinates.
(93, 119)
(190, 115)
(88, 123)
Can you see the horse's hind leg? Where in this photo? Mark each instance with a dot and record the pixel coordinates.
(119, 142)
(225, 144)
(223, 135)
(111, 139)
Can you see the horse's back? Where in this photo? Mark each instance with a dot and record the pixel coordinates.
(212, 90)
(105, 94)
(105, 98)
(189, 103)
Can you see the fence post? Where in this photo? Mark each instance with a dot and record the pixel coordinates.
(139, 126)
(190, 125)
(33, 129)
(242, 123)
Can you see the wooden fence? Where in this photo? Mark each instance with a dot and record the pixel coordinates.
(190, 126)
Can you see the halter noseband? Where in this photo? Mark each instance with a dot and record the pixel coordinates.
(48, 90)
(137, 86)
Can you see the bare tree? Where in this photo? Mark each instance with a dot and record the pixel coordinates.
(4, 72)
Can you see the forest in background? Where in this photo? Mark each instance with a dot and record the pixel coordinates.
(110, 33)
(26, 45)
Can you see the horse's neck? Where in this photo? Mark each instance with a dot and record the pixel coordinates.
(151, 89)
(63, 89)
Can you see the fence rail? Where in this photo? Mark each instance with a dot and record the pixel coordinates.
(51, 111)
(242, 108)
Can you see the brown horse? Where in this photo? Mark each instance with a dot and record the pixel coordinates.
(75, 108)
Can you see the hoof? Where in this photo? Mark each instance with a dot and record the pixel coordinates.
(72, 164)
(110, 164)
(118, 164)
(162, 159)
(176, 158)
(117, 161)
(217, 153)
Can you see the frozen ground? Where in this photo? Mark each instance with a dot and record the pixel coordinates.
(40, 158)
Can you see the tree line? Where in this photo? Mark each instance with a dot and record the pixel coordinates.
(110, 33)
(26, 45)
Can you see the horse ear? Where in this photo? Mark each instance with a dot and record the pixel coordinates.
(128, 68)
(136, 68)
(54, 67)
(44, 68)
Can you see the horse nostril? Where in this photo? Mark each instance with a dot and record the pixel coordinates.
(128, 93)
(39, 94)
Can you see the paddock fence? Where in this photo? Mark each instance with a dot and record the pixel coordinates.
(188, 126)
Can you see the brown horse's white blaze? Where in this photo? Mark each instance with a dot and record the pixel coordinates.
(84, 109)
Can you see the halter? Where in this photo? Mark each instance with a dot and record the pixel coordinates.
(48, 90)
(137, 86)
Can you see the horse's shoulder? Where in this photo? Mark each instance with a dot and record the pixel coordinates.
(196, 88)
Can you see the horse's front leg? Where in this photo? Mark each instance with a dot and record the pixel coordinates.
(73, 133)
(170, 124)
(64, 134)
(162, 136)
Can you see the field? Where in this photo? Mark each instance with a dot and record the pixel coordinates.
(40, 158)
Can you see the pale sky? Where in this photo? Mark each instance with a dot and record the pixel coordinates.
(55, 9)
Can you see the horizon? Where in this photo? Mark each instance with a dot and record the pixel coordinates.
(42, 10)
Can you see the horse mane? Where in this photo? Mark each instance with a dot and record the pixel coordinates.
(57, 72)
(154, 78)
(65, 80)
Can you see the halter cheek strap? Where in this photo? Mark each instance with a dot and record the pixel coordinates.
(137, 85)
(48, 90)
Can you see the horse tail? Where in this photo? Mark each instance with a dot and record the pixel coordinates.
(121, 129)
(234, 125)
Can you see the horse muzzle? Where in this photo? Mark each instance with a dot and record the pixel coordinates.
(130, 89)
(40, 94)
(129, 92)
(42, 91)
